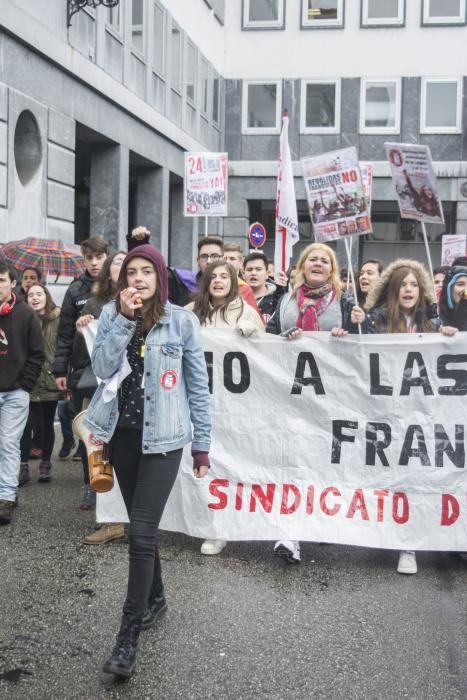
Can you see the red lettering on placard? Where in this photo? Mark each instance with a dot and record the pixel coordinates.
(258, 495)
(310, 496)
(214, 490)
(287, 509)
(322, 501)
(349, 176)
(380, 495)
(358, 503)
(450, 509)
(239, 496)
(400, 519)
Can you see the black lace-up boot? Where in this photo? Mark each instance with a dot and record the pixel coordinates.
(156, 604)
(123, 660)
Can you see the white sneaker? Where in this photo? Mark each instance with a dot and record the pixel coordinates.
(407, 563)
(289, 550)
(212, 547)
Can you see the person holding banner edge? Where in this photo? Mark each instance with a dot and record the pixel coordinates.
(403, 301)
(219, 304)
(147, 423)
(316, 303)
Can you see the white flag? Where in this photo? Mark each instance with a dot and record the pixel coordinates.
(286, 206)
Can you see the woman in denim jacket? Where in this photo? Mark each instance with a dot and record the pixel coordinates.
(148, 422)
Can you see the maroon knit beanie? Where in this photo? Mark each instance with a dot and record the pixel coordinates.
(149, 252)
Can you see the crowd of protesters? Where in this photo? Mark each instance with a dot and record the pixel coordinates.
(45, 365)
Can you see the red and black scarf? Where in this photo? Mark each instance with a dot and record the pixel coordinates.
(312, 303)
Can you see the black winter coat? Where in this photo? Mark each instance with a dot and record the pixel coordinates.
(378, 319)
(21, 348)
(67, 359)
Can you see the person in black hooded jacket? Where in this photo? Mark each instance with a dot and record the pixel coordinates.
(67, 366)
(71, 358)
(453, 300)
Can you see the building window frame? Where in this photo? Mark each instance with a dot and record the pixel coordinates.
(429, 21)
(115, 29)
(337, 23)
(457, 129)
(363, 129)
(160, 71)
(263, 24)
(177, 87)
(204, 84)
(335, 129)
(261, 130)
(140, 53)
(220, 86)
(190, 45)
(398, 21)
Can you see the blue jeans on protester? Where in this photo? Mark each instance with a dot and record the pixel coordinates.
(14, 411)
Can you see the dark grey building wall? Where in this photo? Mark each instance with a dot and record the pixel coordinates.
(370, 146)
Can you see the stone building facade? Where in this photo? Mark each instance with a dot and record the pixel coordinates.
(95, 117)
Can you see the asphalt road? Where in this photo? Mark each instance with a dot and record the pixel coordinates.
(343, 624)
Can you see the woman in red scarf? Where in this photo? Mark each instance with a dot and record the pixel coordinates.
(316, 303)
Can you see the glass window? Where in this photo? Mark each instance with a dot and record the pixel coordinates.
(322, 13)
(444, 11)
(113, 17)
(320, 107)
(380, 106)
(384, 12)
(176, 56)
(204, 86)
(137, 17)
(261, 107)
(263, 13)
(159, 36)
(441, 105)
(190, 72)
(216, 94)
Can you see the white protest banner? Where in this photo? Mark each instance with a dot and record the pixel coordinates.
(366, 170)
(359, 440)
(205, 184)
(453, 247)
(336, 195)
(415, 182)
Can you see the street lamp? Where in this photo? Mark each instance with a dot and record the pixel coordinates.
(74, 6)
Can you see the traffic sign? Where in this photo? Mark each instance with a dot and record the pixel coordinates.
(257, 235)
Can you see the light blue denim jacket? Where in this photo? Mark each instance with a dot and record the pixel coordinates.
(175, 378)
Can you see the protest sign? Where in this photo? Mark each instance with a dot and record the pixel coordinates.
(366, 170)
(453, 247)
(336, 195)
(205, 184)
(355, 441)
(415, 182)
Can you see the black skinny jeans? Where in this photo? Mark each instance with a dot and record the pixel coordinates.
(44, 411)
(146, 481)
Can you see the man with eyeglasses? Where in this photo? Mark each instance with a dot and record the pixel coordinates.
(184, 283)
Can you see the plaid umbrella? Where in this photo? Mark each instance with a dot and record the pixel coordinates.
(50, 256)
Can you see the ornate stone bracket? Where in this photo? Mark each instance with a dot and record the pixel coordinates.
(74, 6)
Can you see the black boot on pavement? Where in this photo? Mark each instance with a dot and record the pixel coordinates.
(156, 604)
(123, 660)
